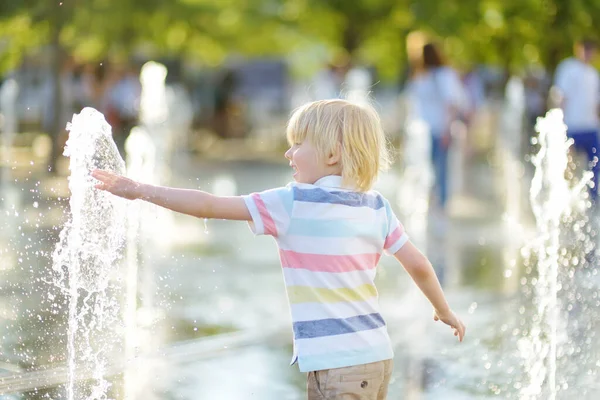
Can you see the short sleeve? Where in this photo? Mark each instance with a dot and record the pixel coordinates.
(396, 237)
(270, 210)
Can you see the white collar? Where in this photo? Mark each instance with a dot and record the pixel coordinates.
(331, 181)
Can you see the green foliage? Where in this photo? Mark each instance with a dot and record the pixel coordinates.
(510, 33)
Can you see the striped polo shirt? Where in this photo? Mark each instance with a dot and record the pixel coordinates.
(330, 240)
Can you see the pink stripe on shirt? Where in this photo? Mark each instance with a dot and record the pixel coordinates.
(267, 221)
(393, 237)
(328, 263)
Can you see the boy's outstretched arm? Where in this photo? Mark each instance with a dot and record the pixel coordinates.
(421, 271)
(192, 202)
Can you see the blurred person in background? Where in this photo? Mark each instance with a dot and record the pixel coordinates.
(474, 91)
(67, 97)
(436, 97)
(329, 82)
(122, 103)
(228, 109)
(577, 91)
(82, 89)
(475, 100)
(97, 76)
(535, 99)
(536, 89)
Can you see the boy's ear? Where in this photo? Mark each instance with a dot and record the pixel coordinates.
(335, 155)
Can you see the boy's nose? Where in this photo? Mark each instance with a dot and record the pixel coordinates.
(288, 154)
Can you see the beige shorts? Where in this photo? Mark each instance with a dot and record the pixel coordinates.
(358, 382)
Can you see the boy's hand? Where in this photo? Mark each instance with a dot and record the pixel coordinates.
(453, 321)
(117, 184)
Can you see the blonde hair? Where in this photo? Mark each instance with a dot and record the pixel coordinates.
(354, 130)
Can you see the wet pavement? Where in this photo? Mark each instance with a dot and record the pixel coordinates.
(213, 320)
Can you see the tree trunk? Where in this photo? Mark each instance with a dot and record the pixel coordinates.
(351, 40)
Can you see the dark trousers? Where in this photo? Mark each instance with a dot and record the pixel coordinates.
(439, 158)
(587, 142)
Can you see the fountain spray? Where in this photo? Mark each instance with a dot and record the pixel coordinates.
(553, 199)
(86, 260)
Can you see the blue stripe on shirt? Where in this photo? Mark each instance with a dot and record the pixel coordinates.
(352, 199)
(336, 326)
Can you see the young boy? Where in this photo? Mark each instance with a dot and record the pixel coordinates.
(331, 230)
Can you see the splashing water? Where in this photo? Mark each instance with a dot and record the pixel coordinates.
(555, 203)
(86, 259)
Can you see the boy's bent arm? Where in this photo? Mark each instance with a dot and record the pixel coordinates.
(421, 271)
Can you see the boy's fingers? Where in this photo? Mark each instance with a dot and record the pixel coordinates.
(101, 174)
(98, 172)
(461, 332)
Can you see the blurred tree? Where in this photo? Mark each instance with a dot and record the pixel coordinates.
(95, 29)
(361, 31)
(509, 33)
(30, 23)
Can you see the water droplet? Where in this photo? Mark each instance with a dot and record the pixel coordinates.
(206, 226)
(472, 308)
